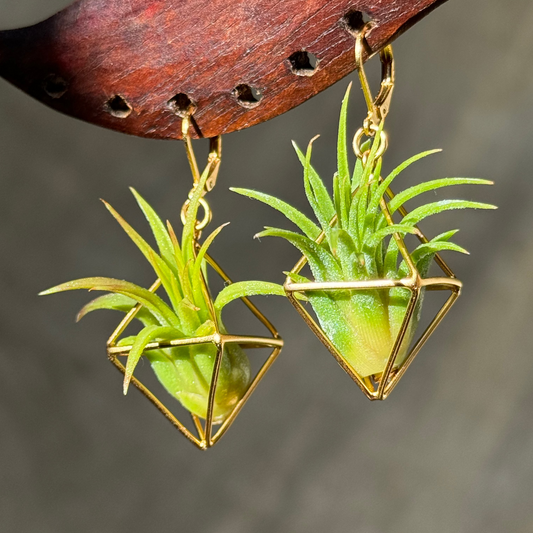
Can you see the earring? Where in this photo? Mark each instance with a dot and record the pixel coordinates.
(193, 356)
(367, 288)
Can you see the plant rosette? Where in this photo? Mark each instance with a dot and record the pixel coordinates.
(187, 313)
(353, 241)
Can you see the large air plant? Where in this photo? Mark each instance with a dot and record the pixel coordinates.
(359, 244)
(185, 371)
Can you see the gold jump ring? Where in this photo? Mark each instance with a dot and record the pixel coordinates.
(200, 225)
(383, 142)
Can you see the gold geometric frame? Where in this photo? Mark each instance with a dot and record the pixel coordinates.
(379, 386)
(204, 437)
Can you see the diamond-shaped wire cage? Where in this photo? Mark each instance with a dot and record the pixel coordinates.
(205, 436)
(379, 386)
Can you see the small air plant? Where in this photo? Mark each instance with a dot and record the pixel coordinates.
(359, 244)
(184, 371)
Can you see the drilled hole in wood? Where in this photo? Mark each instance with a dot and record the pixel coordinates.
(247, 96)
(118, 107)
(303, 63)
(182, 105)
(354, 21)
(55, 86)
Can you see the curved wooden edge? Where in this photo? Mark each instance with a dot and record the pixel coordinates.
(137, 66)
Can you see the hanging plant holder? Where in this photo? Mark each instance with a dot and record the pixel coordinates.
(378, 386)
(195, 359)
(205, 435)
(366, 289)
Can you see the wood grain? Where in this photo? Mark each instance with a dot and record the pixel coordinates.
(120, 64)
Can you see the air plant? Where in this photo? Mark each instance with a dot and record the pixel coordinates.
(359, 244)
(185, 371)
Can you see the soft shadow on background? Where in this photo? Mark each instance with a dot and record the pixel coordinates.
(450, 451)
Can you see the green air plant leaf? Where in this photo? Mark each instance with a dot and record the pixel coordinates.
(184, 371)
(118, 302)
(359, 245)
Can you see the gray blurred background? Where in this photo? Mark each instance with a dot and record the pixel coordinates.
(450, 451)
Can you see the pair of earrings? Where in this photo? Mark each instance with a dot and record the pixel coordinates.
(362, 298)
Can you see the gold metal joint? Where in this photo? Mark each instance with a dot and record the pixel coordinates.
(383, 142)
(208, 215)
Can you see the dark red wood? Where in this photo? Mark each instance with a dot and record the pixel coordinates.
(120, 63)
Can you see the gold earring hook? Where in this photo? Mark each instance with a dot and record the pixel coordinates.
(212, 168)
(185, 126)
(378, 107)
